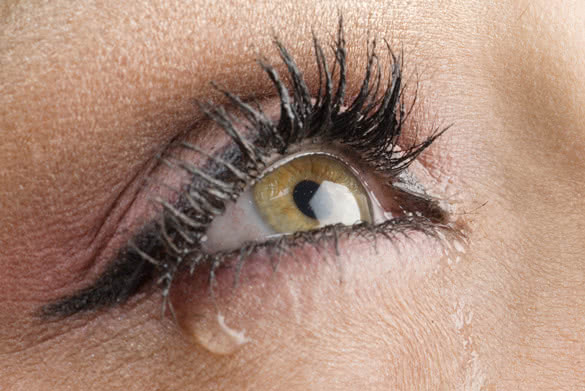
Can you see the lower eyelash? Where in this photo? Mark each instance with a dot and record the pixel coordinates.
(278, 245)
(370, 126)
(330, 235)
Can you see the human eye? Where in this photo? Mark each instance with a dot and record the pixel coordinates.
(301, 170)
(304, 192)
(274, 179)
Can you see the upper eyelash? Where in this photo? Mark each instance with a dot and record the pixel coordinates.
(371, 126)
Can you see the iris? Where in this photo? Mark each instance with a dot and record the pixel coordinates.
(309, 192)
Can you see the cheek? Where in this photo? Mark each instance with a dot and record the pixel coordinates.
(382, 318)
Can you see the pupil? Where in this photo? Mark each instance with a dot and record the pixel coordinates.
(302, 195)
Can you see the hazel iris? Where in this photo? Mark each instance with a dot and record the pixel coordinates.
(309, 192)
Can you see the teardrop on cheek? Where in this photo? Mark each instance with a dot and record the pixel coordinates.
(252, 297)
(214, 334)
(200, 318)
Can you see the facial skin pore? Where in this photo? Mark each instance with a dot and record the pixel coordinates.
(89, 94)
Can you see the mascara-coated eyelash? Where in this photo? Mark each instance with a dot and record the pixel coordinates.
(368, 126)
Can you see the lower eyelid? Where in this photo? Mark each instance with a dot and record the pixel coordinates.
(253, 285)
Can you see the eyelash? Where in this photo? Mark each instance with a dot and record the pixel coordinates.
(369, 127)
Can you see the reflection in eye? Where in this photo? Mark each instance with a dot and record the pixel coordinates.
(310, 192)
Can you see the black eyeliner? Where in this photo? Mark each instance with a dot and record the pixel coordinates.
(125, 276)
(131, 270)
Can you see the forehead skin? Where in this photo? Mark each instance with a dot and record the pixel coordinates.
(89, 93)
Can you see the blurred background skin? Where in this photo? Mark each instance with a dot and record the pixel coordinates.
(89, 93)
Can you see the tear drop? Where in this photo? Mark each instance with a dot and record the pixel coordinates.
(214, 334)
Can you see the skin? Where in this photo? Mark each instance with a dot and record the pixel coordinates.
(89, 94)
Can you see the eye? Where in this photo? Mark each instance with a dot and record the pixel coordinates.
(301, 193)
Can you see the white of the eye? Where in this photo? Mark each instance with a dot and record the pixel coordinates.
(334, 203)
(240, 223)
